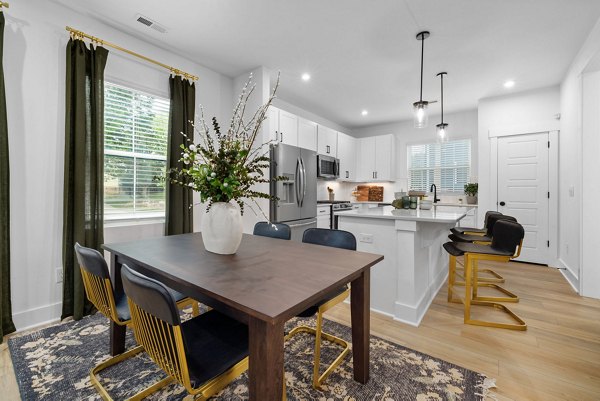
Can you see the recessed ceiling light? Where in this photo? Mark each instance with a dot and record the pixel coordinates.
(509, 84)
(305, 77)
(364, 112)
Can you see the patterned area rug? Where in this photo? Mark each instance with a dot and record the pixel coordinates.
(54, 364)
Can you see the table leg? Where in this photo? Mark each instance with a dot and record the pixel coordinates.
(360, 307)
(266, 361)
(117, 332)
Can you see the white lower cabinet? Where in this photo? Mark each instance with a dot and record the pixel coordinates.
(324, 216)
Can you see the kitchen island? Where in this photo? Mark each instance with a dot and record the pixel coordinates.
(415, 265)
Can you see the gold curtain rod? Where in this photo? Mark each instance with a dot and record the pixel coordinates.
(81, 35)
(3, 4)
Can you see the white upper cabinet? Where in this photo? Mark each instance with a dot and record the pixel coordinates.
(288, 128)
(327, 141)
(347, 154)
(376, 161)
(307, 134)
(272, 124)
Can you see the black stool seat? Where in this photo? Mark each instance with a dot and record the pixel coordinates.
(214, 343)
(460, 237)
(462, 230)
(460, 248)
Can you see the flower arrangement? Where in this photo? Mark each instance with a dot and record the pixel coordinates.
(227, 166)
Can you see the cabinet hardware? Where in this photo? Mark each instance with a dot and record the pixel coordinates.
(502, 203)
(327, 149)
(347, 174)
(281, 136)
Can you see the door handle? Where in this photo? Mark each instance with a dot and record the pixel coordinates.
(502, 203)
(303, 175)
(303, 224)
(281, 136)
(297, 180)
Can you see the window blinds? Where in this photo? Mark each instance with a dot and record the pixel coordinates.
(447, 165)
(135, 152)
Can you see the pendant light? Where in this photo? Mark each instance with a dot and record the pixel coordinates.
(442, 128)
(420, 107)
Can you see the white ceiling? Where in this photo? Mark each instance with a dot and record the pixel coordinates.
(362, 54)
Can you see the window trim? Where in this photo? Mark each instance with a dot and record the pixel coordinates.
(431, 142)
(124, 219)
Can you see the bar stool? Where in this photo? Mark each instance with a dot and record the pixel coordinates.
(507, 241)
(475, 231)
(485, 239)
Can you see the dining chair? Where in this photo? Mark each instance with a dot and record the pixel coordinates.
(203, 354)
(99, 291)
(507, 242)
(336, 239)
(272, 230)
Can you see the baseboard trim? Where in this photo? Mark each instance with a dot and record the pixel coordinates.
(568, 274)
(31, 318)
(421, 308)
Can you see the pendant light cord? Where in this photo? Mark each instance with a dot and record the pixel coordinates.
(442, 83)
(422, 51)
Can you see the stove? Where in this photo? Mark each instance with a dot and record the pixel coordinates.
(338, 207)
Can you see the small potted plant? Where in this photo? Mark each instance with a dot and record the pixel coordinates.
(471, 192)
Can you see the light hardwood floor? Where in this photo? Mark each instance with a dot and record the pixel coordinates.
(557, 358)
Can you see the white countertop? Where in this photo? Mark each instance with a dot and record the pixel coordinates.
(388, 212)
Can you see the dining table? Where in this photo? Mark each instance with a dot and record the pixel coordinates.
(264, 284)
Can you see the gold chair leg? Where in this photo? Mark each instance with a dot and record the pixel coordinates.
(113, 361)
(319, 380)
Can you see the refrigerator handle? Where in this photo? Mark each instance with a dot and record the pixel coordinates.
(303, 181)
(297, 180)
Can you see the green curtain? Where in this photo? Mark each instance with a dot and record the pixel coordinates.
(6, 323)
(84, 158)
(179, 213)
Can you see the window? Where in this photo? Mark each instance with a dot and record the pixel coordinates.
(135, 152)
(447, 165)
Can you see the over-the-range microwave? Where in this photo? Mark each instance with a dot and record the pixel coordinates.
(328, 167)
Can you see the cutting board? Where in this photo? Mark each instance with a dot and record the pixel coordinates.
(362, 193)
(375, 194)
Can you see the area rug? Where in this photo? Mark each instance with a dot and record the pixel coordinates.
(54, 364)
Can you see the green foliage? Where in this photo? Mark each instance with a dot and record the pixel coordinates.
(471, 189)
(226, 167)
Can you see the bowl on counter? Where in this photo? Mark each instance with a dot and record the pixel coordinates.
(426, 205)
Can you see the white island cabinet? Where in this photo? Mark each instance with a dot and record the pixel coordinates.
(415, 264)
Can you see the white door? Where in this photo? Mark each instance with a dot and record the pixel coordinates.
(523, 190)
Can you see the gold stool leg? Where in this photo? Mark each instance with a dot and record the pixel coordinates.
(471, 275)
(451, 278)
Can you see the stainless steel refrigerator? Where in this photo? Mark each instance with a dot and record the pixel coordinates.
(297, 204)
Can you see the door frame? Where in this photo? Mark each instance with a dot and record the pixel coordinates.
(553, 137)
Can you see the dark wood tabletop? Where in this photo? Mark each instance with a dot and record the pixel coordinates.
(267, 282)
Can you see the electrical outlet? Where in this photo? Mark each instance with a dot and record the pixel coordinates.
(366, 238)
(58, 273)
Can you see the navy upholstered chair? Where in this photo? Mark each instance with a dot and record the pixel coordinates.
(506, 244)
(204, 354)
(273, 230)
(336, 239)
(99, 291)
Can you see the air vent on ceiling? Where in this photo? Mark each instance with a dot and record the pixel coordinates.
(152, 24)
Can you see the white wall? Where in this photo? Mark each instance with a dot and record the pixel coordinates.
(34, 66)
(524, 112)
(579, 218)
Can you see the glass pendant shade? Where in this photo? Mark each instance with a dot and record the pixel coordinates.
(442, 132)
(420, 114)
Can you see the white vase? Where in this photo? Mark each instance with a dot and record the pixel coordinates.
(222, 228)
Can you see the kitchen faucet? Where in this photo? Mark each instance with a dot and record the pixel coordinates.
(434, 189)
